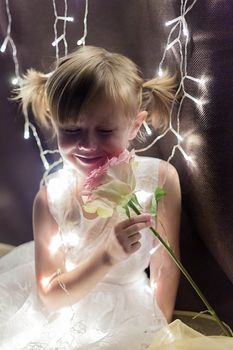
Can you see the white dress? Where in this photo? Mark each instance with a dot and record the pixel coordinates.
(118, 314)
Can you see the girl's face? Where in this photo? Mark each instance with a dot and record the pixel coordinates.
(101, 132)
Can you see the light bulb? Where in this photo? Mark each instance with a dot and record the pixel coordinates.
(4, 44)
(14, 81)
(80, 42)
(26, 133)
(55, 42)
(160, 72)
(148, 130)
(68, 19)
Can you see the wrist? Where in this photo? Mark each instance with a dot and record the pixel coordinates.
(107, 259)
(104, 256)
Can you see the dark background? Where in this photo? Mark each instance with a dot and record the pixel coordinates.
(136, 28)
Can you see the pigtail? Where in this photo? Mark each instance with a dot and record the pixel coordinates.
(157, 97)
(32, 93)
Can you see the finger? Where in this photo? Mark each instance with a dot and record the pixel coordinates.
(135, 247)
(131, 230)
(142, 218)
(134, 238)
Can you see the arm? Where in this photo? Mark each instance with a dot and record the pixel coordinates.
(78, 281)
(163, 270)
(120, 244)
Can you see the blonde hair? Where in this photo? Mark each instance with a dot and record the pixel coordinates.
(61, 95)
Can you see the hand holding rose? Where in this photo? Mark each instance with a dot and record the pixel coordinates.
(124, 240)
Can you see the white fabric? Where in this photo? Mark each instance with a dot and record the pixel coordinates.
(119, 313)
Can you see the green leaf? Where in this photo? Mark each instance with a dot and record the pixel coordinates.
(127, 211)
(153, 208)
(159, 193)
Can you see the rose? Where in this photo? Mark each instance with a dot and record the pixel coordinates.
(110, 186)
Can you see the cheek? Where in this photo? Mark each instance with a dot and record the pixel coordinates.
(115, 145)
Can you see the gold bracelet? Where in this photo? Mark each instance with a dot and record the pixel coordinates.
(61, 283)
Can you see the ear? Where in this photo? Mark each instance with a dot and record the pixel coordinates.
(141, 117)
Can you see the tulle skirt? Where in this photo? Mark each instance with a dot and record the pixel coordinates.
(111, 317)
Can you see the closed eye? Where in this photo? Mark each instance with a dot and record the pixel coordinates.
(105, 131)
(72, 131)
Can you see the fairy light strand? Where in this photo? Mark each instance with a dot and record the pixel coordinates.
(82, 40)
(9, 40)
(49, 169)
(56, 39)
(64, 26)
(61, 38)
(179, 23)
(179, 26)
(42, 156)
(28, 125)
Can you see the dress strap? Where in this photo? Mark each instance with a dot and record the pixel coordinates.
(147, 173)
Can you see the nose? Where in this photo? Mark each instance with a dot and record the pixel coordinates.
(87, 143)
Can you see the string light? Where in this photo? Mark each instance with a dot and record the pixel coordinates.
(28, 125)
(15, 81)
(82, 40)
(168, 23)
(186, 156)
(201, 80)
(196, 100)
(68, 19)
(180, 26)
(4, 45)
(160, 72)
(185, 28)
(62, 37)
(57, 40)
(179, 137)
(26, 134)
(51, 167)
(179, 23)
(148, 130)
(168, 47)
(8, 40)
(35, 134)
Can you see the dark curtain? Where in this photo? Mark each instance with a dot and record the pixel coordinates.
(136, 28)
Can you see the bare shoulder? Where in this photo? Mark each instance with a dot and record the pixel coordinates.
(41, 197)
(166, 168)
(40, 204)
(42, 218)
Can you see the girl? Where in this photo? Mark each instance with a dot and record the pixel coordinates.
(90, 290)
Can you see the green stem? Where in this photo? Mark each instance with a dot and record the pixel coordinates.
(225, 330)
